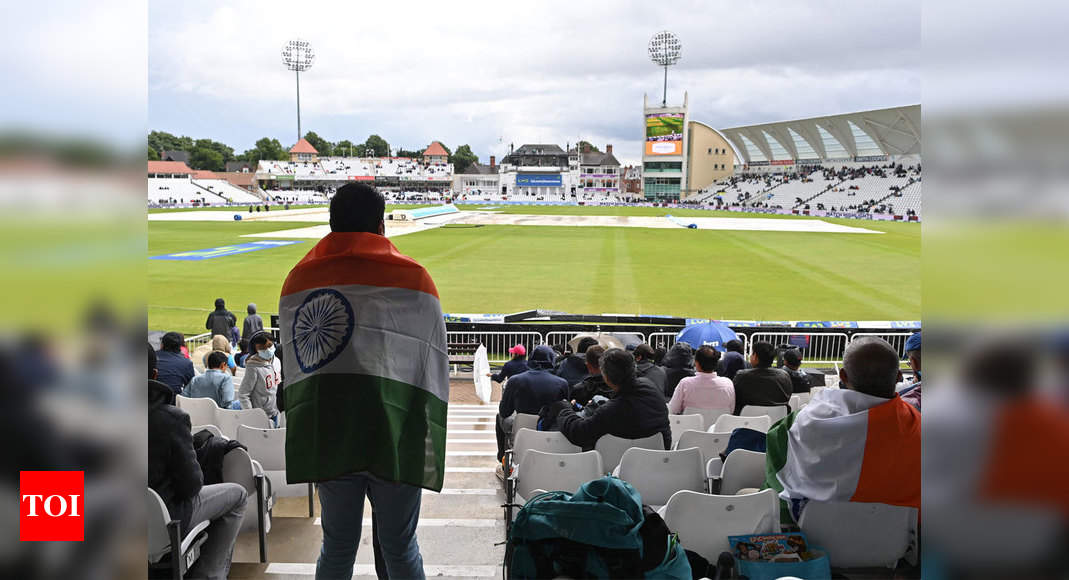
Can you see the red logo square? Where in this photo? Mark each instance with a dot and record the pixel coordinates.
(51, 506)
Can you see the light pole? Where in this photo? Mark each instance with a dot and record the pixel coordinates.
(297, 56)
(664, 50)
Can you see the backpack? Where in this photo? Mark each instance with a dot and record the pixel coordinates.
(600, 531)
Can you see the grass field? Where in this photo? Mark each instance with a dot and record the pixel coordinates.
(750, 275)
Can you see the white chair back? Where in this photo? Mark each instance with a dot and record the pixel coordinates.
(742, 468)
(228, 420)
(238, 468)
(268, 446)
(773, 412)
(201, 409)
(524, 421)
(612, 448)
(209, 428)
(711, 444)
(681, 423)
(795, 403)
(728, 423)
(556, 471)
(659, 474)
(803, 398)
(856, 534)
(159, 542)
(705, 521)
(709, 416)
(546, 441)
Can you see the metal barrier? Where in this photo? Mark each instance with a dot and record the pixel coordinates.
(193, 342)
(663, 340)
(821, 348)
(896, 339)
(497, 343)
(565, 336)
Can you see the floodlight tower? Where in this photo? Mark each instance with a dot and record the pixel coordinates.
(297, 56)
(664, 50)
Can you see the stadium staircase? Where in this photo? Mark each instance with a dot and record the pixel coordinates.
(820, 193)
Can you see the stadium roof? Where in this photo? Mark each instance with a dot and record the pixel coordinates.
(597, 158)
(303, 146)
(893, 131)
(539, 149)
(168, 167)
(436, 149)
(205, 174)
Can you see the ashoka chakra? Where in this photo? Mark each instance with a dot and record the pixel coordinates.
(322, 328)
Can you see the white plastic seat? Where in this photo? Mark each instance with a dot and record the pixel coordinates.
(539, 470)
(524, 421)
(239, 468)
(681, 423)
(268, 448)
(728, 423)
(711, 444)
(856, 534)
(612, 448)
(229, 420)
(546, 441)
(795, 403)
(705, 521)
(201, 410)
(659, 474)
(165, 536)
(709, 416)
(741, 469)
(209, 428)
(803, 398)
(773, 412)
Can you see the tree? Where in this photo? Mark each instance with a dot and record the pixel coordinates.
(322, 145)
(153, 155)
(409, 153)
(344, 148)
(377, 146)
(206, 158)
(266, 148)
(463, 159)
(592, 147)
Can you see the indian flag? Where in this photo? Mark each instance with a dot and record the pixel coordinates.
(847, 446)
(366, 371)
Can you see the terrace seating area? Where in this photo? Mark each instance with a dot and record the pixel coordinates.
(180, 191)
(227, 191)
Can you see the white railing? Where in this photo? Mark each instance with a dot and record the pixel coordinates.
(193, 342)
(896, 339)
(821, 348)
(663, 340)
(566, 336)
(497, 343)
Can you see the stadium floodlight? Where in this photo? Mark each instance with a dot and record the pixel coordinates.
(298, 56)
(664, 50)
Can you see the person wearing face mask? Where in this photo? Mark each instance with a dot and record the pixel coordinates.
(260, 384)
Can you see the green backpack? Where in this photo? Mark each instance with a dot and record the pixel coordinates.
(600, 531)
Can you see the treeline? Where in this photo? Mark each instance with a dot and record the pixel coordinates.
(213, 155)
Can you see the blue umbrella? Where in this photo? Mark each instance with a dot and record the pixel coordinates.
(711, 333)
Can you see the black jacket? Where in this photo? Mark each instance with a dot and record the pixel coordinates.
(591, 385)
(572, 369)
(766, 386)
(220, 321)
(656, 375)
(678, 364)
(639, 410)
(730, 364)
(510, 369)
(529, 391)
(799, 381)
(173, 470)
(253, 323)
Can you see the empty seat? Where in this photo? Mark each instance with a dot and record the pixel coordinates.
(540, 471)
(856, 534)
(741, 469)
(201, 410)
(728, 423)
(268, 448)
(659, 474)
(709, 416)
(773, 412)
(711, 444)
(546, 441)
(612, 448)
(705, 521)
(229, 420)
(681, 423)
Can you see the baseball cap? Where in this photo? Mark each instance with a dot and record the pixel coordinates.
(518, 349)
(913, 342)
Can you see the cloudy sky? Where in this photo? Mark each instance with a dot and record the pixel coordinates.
(492, 73)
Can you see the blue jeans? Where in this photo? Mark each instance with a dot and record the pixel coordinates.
(396, 509)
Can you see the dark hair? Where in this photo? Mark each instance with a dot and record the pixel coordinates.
(151, 361)
(765, 353)
(792, 357)
(258, 339)
(707, 357)
(357, 207)
(658, 354)
(871, 366)
(243, 345)
(216, 358)
(593, 355)
(618, 367)
(172, 341)
(644, 351)
(585, 343)
(734, 345)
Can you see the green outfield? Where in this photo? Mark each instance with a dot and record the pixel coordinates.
(750, 275)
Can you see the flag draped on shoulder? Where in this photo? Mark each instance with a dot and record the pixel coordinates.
(366, 382)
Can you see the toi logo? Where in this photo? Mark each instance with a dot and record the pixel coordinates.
(51, 506)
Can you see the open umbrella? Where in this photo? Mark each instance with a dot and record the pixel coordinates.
(711, 333)
(604, 339)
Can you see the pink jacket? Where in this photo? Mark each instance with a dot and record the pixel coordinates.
(704, 391)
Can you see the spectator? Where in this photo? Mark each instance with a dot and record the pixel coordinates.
(678, 365)
(704, 390)
(732, 360)
(646, 368)
(527, 393)
(174, 474)
(219, 344)
(259, 386)
(792, 363)
(858, 443)
(573, 368)
(175, 369)
(220, 320)
(762, 384)
(515, 366)
(912, 393)
(216, 383)
(252, 324)
(658, 355)
(593, 383)
(243, 352)
(637, 411)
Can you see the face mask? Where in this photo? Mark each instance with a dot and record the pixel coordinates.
(267, 354)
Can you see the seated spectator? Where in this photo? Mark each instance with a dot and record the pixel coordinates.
(573, 368)
(221, 344)
(175, 369)
(175, 474)
(216, 383)
(911, 393)
(593, 383)
(638, 409)
(792, 363)
(259, 386)
(678, 364)
(857, 443)
(762, 384)
(646, 368)
(704, 390)
(243, 352)
(732, 360)
(528, 392)
(658, 355)
(515, 366)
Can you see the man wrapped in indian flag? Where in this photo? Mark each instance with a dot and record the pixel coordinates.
(859, 443)
(366, 384)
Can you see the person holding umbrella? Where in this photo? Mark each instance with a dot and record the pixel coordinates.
(514, 366)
